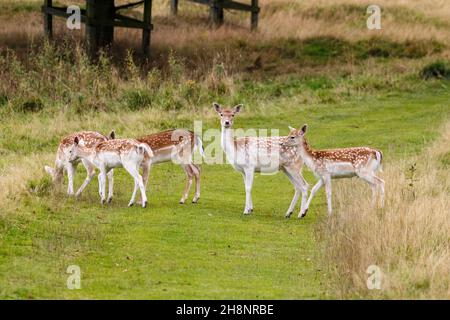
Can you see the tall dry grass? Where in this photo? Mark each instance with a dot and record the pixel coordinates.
(409, 239)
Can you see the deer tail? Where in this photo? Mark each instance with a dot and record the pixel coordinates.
(145, 149)
(379, 156)
(199, 144)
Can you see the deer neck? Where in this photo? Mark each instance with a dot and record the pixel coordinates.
(86, 154)
(307, 153)
(227, 142)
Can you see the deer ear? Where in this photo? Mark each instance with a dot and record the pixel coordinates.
(291, 129)
(304, 129)
(76, 141)
(112, 135)
(217, 107)
(237, 108)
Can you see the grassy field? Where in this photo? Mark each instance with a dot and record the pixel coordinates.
(351, 87)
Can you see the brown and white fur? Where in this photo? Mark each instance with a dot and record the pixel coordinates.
(126, 153)
(88, 139)
(362, 162)
(176, 145)
(256, 154)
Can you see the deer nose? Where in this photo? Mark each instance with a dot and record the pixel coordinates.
(227, 123)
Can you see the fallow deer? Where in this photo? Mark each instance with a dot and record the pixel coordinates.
(88, 139)
(362, 162)
(126, 153)
(257, 154)
(176, 145)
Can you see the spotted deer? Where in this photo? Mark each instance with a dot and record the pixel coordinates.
(87, 139)
(362, 162)
(126, 153)
(248, 155)
(176, 145)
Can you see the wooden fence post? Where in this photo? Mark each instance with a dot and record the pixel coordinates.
(99, 12)
(48, 20)
(174, 7)
(216, 12)
(147, 27)
(254, 15)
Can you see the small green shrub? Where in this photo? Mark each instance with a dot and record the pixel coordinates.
(40, 187)
(438, 69)
(3, 99)
(32, 105)
(137, 99)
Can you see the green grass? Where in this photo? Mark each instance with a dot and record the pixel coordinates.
(208, 250)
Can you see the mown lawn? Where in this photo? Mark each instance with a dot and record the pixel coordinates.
(207, 250)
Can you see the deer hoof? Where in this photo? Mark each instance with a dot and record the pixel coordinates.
(102, 201)
(302, 215)
(288, 215)
(109, 200)
(181, 202)
(144, 204)
(131, 204)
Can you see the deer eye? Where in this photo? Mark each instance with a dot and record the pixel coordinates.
(292, 138)
(221, 115)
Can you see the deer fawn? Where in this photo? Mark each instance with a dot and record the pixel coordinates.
(88, 139)
(362, 162)
(126, 153)
(252, 154)
(178, 146)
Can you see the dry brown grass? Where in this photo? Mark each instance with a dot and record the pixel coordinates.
(192, 38)
(409, 239)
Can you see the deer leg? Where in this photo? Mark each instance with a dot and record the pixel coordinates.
(304, 189)
(316, 188)
(189, 174)
(90, 169)
(328, 192)
(146, 166)
(296, 194)
(138, 183)
(371, 179)
(110, 185)
(196, 171)
(70, 172)
(102, 184)
(248, 180)
(381, 186)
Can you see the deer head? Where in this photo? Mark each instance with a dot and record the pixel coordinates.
(74, 151)
(295, 137)
(227, 115)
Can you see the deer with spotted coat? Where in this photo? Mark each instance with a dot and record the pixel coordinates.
(261, 154)
(126, 153)
(176, 145)
(362, 162)
(87, 139)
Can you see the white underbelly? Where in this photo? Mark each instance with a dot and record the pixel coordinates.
(340, 170)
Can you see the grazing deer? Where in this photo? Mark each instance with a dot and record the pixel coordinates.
(178, 146)
(126, 153)
(362, 162)
(253, 154)
(88, 139)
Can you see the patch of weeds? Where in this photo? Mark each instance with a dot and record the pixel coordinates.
(3, 99)
(379, 47)
(445, 160)
(137, 99)
(319, 83)
(437, 70)
(40, 187)
(32, 105)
